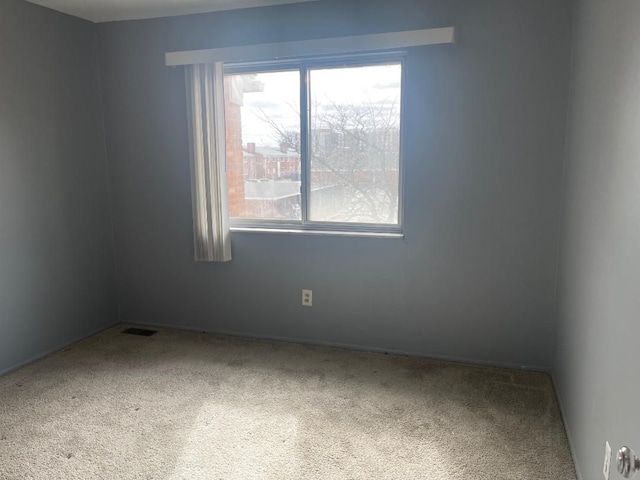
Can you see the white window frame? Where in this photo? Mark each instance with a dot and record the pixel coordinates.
(304, 66)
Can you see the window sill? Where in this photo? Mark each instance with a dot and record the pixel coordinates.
(332, 233)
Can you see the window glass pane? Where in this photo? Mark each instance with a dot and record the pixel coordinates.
(355, 144)
(262, 115)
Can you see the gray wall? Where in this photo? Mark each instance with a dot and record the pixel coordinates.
(57, 280)
(475, 276)
(597, 357)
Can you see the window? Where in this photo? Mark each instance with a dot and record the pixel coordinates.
(315, 145)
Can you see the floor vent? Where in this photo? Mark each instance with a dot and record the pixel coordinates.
(140, 331)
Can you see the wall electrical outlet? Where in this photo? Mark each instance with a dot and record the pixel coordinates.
(607, 461)
(307, 298)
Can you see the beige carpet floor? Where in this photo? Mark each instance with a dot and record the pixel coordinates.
(193, 406)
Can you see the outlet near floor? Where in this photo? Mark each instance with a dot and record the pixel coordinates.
(307, 298)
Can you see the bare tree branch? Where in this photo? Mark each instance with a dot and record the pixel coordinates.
(356, 145)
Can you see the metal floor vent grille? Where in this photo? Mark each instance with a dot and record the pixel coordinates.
(143, 332)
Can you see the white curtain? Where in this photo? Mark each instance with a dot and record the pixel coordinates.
(205, 100)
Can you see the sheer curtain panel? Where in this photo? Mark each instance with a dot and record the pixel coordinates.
(205, 101)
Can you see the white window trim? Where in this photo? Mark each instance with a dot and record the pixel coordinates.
(329, 233)
(324, 46)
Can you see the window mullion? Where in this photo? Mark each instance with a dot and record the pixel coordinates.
(305, 149)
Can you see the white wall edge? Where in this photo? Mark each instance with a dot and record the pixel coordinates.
(305, 48)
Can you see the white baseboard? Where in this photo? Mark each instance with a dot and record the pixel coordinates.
(566, 429)
(304, 341)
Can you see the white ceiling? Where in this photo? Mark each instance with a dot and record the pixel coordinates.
(111, 10)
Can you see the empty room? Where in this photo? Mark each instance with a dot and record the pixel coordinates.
(319, 239)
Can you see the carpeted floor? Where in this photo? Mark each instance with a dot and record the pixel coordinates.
(184, 405)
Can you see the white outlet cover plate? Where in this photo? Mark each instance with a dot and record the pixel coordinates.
(607, 461)
(307, 298)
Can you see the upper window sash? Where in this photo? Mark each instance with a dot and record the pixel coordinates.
(331, 61)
